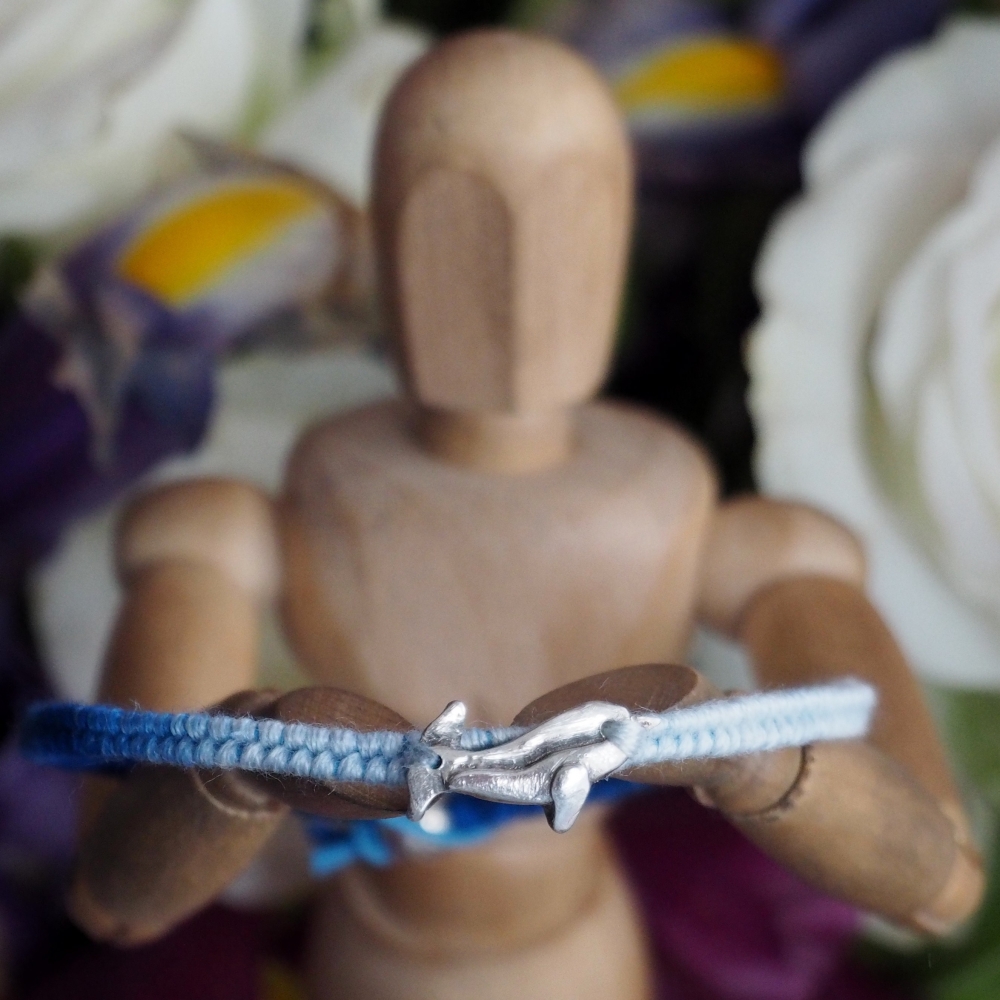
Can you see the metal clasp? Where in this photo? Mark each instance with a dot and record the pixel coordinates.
(552, 765)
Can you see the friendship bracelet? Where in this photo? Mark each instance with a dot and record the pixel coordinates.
(508, 771)
(98, 737)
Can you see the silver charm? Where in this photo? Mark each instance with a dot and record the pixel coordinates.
(552, 765)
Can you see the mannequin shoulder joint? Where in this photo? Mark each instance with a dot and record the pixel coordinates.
(227, 524)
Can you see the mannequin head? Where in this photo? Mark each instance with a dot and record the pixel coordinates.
(502, 208)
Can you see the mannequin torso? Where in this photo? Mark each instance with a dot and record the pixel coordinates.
(413, 580)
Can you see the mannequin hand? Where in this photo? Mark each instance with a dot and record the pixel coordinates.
(328, 706)
(745, 784)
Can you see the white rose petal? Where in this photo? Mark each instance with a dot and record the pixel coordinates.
(969, 541)
(279, 30)
(939, 97)
(875, 364)
(46, 41)
(55, 120)
(93, 92)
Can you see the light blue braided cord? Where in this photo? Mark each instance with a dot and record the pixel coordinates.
(96, 735)
(766, 720)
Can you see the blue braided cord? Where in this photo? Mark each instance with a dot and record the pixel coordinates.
(470, 821)
(107, 738)
(766, 720)
(96, 736)
(335, 846)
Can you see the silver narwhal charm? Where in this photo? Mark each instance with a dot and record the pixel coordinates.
(552, 765)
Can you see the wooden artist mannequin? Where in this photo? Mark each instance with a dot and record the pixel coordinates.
(499, 539)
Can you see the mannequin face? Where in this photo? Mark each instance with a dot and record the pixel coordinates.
(502, 208)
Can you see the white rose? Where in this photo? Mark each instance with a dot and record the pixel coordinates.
(876, 364)
(93, 91)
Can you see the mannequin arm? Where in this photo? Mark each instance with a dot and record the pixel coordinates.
(881, 822)
(197, 562)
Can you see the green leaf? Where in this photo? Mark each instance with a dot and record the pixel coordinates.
(978, 980)
(972, 720)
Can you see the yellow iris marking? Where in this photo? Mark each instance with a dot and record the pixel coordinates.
(703, 75)
(191, 247)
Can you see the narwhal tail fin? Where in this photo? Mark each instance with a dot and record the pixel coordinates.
(426, 785)
(570, 788)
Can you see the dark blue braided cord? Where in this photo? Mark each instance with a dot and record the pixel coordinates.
(96, 736)
(101, 737)
(467, 822)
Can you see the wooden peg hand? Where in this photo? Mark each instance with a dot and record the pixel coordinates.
(881, 822)
(748, 783)
(327, 706)
(845, 816)
(167, 841)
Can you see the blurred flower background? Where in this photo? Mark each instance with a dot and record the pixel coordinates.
(874, 382)
(185, 281)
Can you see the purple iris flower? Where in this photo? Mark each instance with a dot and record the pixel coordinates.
(102, 376)
(828, 44)
(725, 921)
(50, 471)
(823, 46)
(37, 823)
